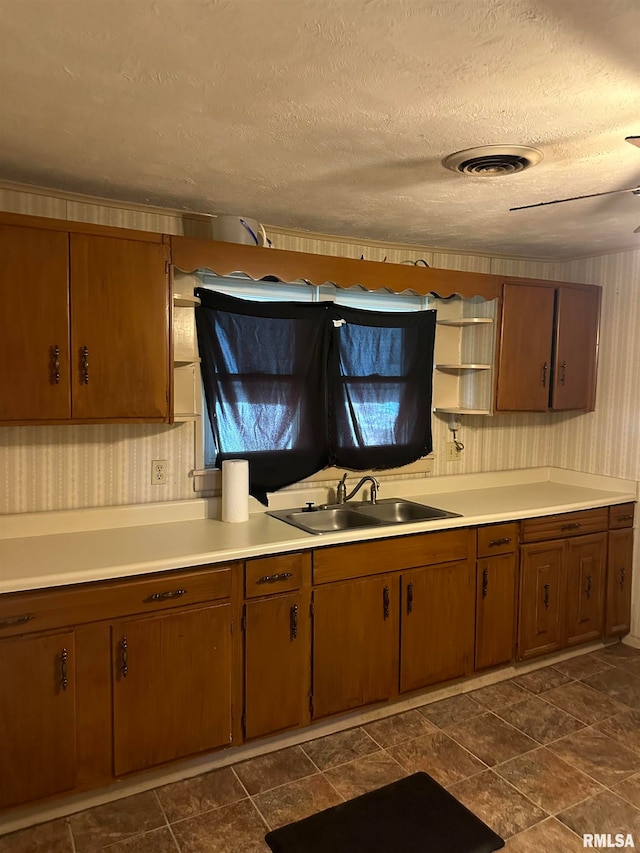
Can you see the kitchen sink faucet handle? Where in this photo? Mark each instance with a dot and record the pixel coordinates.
(341, 491)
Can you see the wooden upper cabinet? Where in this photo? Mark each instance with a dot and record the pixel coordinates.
(576, 345)
(34, 325)
(548, 347)
(119, 329)
(84, 328)
(524, 368)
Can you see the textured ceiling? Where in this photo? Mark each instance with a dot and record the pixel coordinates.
(334, 115)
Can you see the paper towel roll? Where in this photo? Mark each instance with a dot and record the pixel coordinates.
(235, 490)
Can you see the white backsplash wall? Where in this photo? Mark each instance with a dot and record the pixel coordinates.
(64, 467)
(79, 466)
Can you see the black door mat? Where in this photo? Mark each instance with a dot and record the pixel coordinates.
(413, 815)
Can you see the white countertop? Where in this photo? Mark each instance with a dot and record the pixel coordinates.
(125, 541)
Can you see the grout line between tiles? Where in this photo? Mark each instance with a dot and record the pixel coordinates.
(575, 766)
(175, 840)
(260, 814)
(70, 831)
(572, 766)
(242, 785)
(342, 798)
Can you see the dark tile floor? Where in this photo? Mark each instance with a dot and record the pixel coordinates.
(542, 758)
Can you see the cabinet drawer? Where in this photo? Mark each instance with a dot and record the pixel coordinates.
(270, 575)
(565, 524)
(388, 555)
(498, 539)
(24, 612)
(621, 515)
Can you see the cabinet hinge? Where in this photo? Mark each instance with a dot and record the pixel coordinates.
(311, 704)
(243, 622)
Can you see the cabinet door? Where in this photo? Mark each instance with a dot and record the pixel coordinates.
(172, 686)
(37, 717)
(541, 590)
(120, 314)
(524, 368)
(619, 565)
(34, 325)
(437, 619)
(585, 579)
(577, 319)
(277, 664)
(355, 644)
(495, 610)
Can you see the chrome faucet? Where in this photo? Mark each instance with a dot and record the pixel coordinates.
(341, 492)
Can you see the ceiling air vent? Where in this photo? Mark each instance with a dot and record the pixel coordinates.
(493, 161)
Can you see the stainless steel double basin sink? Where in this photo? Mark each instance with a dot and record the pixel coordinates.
(335, 517)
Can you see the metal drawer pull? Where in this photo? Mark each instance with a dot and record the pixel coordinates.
(165, 596)
(293, 621)
(504, 541)
(56, 364)
(385, 602)
(588, 589)
(623, 572)
(573, 525)
(124, 657)
(64, 681)
(545, 367)
(485, 582)
(283, 576)
(85, 365)
(563, 372)
(410, 598)
(546, 595)
(17, 620)
(624, 518)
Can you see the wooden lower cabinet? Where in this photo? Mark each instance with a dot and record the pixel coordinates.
(171, 686)
(618, 588)
(586, 558)
(37, 717)
(562, 593)
(437, 624)
(496, 579)
(541, 594)
(355, 644)
(277, 664)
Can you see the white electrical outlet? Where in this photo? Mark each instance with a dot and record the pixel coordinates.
(159, 472)
(452, 452)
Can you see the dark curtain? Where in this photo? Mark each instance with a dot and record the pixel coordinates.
(264, 373)
(379, 384)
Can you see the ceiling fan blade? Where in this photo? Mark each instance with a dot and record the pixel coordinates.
(636, 230)
(575, 198)
(634, 140)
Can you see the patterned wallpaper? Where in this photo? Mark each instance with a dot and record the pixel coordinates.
(61, 467)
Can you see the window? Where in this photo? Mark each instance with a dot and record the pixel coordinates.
(297, 384)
